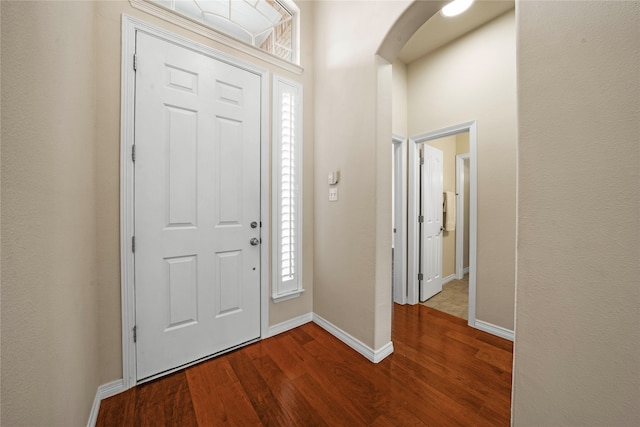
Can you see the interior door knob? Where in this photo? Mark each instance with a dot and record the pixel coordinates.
(254, 242)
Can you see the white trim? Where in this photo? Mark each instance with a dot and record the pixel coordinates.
(400, 218)
(460, 158)
(217, 36)
(374, 356)
(413, 195)
(104, 391)
(289, 324)
(129, 28)
(95, 409)
(465, 270)
(413, 240)
(286, 296)
(265, 212)
(448, 279)
(495, 330)
(127, 128)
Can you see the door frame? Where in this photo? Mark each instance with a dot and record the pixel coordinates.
(414, 209)
(399, 144)
(460, 159)
(130, 26)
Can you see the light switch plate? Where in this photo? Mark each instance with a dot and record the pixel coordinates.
(333, 194)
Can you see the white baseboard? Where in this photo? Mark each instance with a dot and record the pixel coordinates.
(374, 356)
(448, 279)
(289, 324)
(494, 330)
(104, 391)
(465, 270)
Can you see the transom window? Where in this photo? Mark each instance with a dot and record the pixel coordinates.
(265, 24)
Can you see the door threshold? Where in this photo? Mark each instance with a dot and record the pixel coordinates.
(195, 362)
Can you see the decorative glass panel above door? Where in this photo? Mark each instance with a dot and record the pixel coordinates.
(265, 24)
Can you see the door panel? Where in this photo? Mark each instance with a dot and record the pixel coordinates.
(432, 172)
(197, 189)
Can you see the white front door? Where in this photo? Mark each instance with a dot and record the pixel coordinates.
(197, 206)
(432, 226)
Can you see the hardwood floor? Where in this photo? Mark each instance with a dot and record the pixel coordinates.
(441, 373)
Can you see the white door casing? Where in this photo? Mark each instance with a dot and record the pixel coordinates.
(460, 212)
(399, 196)
(432, 226)
(413, 203)
(197, 190)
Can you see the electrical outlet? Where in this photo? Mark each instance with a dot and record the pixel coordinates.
(333, 194)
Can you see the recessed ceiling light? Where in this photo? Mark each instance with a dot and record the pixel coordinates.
(456, 7)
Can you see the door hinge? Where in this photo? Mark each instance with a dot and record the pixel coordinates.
(422, 160)
(135, 62)
(135, 334)
(420, 218)
(420, 276)
(133, 153)
(133, 244)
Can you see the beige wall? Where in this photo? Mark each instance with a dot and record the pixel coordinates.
(462, 143)
(473, 78)
(399, 99)
(352, 281)
(577, 349)
(50, 336)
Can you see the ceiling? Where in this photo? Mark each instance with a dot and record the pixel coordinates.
(440, 30)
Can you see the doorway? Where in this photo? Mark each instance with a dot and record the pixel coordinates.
(193, 192)
(197, 210)
(448, 289)
(416, 266)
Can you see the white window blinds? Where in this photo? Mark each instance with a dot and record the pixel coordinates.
(287, 215)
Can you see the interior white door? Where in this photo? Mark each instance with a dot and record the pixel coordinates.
(431, 262)
(197, 194)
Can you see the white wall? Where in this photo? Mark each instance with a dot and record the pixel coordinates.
(577, 348)
(474, 78)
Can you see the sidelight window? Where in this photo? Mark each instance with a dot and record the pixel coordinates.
(287, 193)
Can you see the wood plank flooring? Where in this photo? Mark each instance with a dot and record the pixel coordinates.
(442, 373)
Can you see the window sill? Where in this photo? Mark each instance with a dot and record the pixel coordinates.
(214, 35)
(287, 296)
